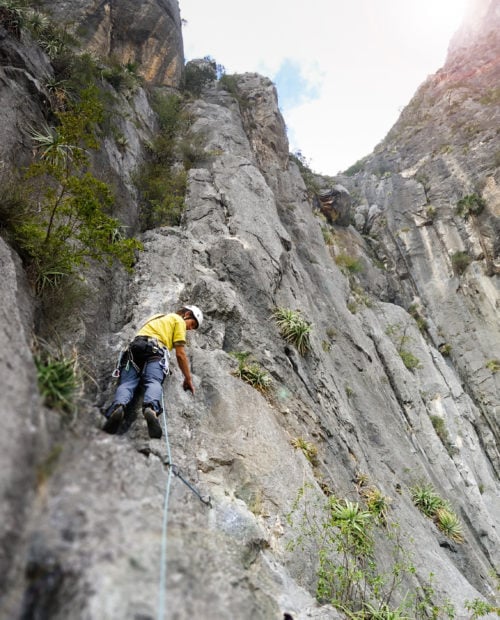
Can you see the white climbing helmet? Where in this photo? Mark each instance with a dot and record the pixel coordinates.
(197, 313)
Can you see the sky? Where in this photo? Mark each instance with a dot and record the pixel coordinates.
(344, 69)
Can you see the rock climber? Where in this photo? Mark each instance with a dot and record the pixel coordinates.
(145, 362)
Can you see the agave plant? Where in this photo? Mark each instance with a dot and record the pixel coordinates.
(426, 499)
(51, 146)
(36, 22)
(448, 522)
(251, 373)
(309, 449)
(294, 328)
(376, 502)
(57, 379)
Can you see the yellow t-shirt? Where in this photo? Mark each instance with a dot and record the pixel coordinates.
(170, 329)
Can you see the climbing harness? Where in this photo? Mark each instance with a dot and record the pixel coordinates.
(149, 348)
(173, 470)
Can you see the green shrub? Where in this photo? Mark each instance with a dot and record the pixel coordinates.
(294, 328)
(421, 321)
(343, 542)
(309, 449)
(251, 372)
(448, 522)
(122, 77)
(58, 379)
(197, 76)
(162, 191)
(431, 212)
(376, 502)
(445, 349)
(432, 505)
(308, 176)
(460, 261)
(356, 167)
(493, 365)
(409, 360)
(328, 236)
(426, 499)
(481, 608)
(230, 83)
(349, 263)
(65, 208)
(472, 204)
(162, 179)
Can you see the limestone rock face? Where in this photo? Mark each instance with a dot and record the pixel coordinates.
(146, 33)
(95, 541)
(413, 186)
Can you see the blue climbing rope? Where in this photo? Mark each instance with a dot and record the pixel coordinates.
(173, 470)
(163, 560)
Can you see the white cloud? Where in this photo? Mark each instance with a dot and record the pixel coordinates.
(366, 58)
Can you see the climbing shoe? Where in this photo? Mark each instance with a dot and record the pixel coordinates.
(154, 426)
(114, 420)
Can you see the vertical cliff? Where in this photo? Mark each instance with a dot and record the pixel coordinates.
(82, 532)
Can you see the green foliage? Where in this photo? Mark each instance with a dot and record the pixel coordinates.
(448, 522)
(431, 212)
(460, 261)
(294, 328)
(398, 333)
(439, 427)
(481, 608)
(376, 502)
(197, 76)
(12, 13)
(67, 223)
(309, 449)
(356, 167)
(409, 360)
(342, 537)
(445, 349)
(123, 78)
(442, 432)
(230, 84)
(343, 541)
(251, 372)
(162, 179)
(58, 215)
(493, 365)
(421, 321)
(162, 190)
(58, 379)
(432, 505)
(18, 14)
(328, 236)
(426, 499)
(348, 263)
(309, 177)
(472, 204)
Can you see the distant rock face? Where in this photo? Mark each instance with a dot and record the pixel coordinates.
(147, 33)
(261, 111)
(442, 152)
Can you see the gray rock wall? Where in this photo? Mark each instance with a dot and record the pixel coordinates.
(91, 543)
(147, 34)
